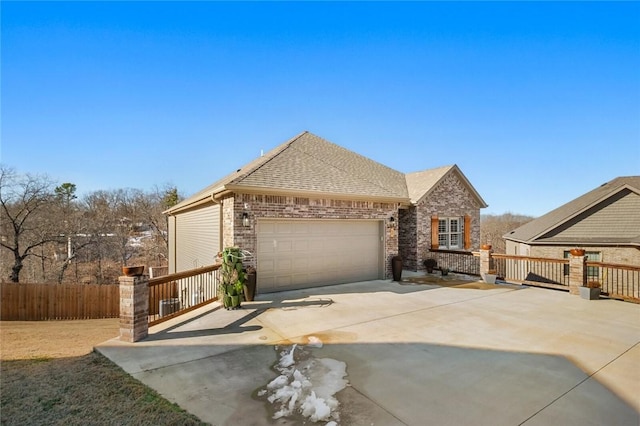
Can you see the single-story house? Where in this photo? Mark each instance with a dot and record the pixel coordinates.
(605, 222)
(314, 213)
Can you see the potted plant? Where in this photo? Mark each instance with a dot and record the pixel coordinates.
(232, 277)
(396, 268)
(444, 271)
(430, 264)
(577, 252)
(590, 291)
(250, 284)
(490, 277)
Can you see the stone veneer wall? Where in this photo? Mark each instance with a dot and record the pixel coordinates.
(450, 198)
(284, 207)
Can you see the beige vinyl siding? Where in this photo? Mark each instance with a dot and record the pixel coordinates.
(197, 237)
(309, 253)
(171, 229)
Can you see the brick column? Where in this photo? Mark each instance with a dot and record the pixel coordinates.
(485, 259)
(134, 308)
(577, 272)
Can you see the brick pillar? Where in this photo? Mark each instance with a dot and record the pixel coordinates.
(485, 259)
(577, 272)
(134, 308)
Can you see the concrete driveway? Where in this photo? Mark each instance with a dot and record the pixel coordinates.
(415, 354)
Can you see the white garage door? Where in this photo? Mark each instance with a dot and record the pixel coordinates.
(308, 253)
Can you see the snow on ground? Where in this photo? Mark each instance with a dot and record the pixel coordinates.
(306, 385)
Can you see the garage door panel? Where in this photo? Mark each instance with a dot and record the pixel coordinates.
(283, 281)
(267, 266)
(284, 246)
(300, 228)
(267, 283)
(266, 246)
(301, 244)
(302, 263)
(305, 253)
(283, 228)
(267, 228)
(283, 265)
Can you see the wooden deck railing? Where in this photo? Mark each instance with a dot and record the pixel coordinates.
(174, 294)
(538, 271)
(616, 280)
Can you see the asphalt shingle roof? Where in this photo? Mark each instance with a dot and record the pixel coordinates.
(308, 164)
(594, 220)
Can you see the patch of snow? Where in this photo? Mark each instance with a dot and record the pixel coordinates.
(286, 360)
(278, 382)
(306, 386)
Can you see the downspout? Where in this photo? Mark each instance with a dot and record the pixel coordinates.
(220, 221)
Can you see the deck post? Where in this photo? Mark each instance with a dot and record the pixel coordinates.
(577, 273)
(134, 308)
(485, 260)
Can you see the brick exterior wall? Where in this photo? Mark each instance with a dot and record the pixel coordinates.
(450, 198)
(286, 207)
(134, 308)
(621, 255)
(228, 222)
(407, 238)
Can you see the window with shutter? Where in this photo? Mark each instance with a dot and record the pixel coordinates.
(451, 232)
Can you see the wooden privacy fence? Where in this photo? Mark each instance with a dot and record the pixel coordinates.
(38, 302)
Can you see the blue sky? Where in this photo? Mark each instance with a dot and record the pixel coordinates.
(537, 103)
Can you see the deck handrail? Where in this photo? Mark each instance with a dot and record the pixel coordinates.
(175, 294)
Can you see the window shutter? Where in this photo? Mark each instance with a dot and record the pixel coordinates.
(467, 232)
(434, 232)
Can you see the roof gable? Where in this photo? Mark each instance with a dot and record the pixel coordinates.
(607, 214)
(311, 164)
(421, 184)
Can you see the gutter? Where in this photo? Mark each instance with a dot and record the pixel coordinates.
(213, 198)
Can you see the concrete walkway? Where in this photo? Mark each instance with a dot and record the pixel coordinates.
(415, 355)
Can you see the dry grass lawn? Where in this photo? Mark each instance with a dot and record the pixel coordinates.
(50, 375)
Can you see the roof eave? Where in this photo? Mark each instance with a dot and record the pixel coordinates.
(247, 189)
(202, 199)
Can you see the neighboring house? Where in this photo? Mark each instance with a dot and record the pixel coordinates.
(605, 222)
(313, 213)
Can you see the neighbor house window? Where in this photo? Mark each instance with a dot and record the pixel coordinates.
(450, 233)
(593, 272)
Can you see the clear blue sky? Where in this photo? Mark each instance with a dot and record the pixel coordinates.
(537, 103)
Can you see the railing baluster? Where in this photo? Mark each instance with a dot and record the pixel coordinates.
(181, 292)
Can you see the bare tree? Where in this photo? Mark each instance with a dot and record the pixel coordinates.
(152, 205)
(73, 230)
(493, 227)
(99, 214)
(26, 226)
